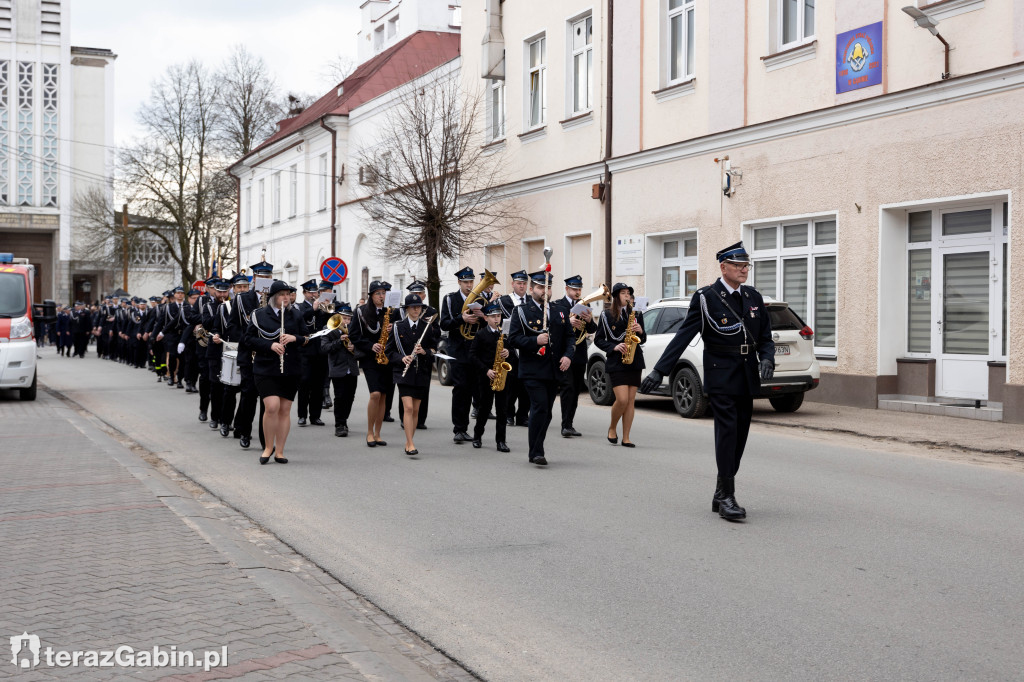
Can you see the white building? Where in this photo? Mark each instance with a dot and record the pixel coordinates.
(56, 140)
(877, 190)
(299, 191)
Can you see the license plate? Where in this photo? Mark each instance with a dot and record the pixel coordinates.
(781, 349)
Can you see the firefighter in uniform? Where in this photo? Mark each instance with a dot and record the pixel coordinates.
(571, 382)
(464, 382)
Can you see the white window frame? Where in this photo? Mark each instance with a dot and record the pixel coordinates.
(801, 29)
(587, 51)
(248, 208)
(496, 132)
(293, 190)
(686, 9)
(780, 254)
(323, 182)
(263, 201)
(541, 72)
(275, 197)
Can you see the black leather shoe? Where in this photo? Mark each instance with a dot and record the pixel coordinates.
(511, 421)
(477, 443)
(302, 421)
(539, 461)
(523, 422)
(214, 425)
(388, 418)
(421, 426)
(264, 460)
(371, 443)
(225, 430)
(244, 442)
(280, 460)
(724, 501)
(328, 403)
(573, 432)
(412, 452)
(317, 422)
(380, 443)
(178, 385)
(472, 415)
(461, 437)
(628, 445)
(566, 433)
(190, 388)
(202, 416)
(502, 447)
(341, 431)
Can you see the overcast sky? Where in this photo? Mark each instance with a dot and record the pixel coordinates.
(294, 37)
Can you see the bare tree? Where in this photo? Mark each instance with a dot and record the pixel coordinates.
(96, 243)
(335, 70)
(175, 174)
(250, 101)
(435, 187)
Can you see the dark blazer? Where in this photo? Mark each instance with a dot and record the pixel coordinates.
(726, 371)
(341, 362)
(264, 330)
(242, 308)
(212, 323)
(451, 322)
(610, 334)
(174, 320)
(580, 356)
(401, 342)
(527, 324)
(484, 347)
(369, 320)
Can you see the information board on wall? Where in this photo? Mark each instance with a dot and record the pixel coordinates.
(629, 255)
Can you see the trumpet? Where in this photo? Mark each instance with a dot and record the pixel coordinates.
(602, 294)
(336, 321)
(326, 306)
(202, 336)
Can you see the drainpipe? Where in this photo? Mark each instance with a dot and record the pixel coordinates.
(607, 194)
(334, 184)
(238, 225)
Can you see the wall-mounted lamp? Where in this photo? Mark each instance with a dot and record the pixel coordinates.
(930, 23)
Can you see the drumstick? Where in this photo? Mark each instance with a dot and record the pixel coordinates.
(425, 328)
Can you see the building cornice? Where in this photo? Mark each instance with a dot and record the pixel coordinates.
(989, 82)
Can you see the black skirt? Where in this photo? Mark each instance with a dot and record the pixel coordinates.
(378, 377)
(284, 386)
(414, 392)
(628, 377)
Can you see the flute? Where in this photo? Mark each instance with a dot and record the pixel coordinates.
(425, 328)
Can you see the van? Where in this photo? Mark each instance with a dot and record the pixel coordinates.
(17, 331)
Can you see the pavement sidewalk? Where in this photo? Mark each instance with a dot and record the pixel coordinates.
(102, 550)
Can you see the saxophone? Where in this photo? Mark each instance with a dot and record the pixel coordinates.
(385, 332)
(501, 368)
(630, 339)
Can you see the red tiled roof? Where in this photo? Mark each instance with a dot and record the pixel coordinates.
(407, 60)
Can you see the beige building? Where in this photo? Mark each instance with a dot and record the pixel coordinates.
(874, 189)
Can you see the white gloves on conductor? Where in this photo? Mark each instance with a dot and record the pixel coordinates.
(181, 348)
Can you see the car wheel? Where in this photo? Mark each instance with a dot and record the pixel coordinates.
(598, 385)
(790, 402)
(688, 394)
(444, 373)
(30, 392)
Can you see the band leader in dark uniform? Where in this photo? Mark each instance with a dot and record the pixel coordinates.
(543, 353)
(736, 329)
(624, 378)
(412, 344)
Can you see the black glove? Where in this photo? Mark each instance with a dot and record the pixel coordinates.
(652, 382)
(767, 369)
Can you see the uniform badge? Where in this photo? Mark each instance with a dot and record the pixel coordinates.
(724, 321)
(753, 311)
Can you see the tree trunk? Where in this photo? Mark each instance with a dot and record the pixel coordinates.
(433, 278)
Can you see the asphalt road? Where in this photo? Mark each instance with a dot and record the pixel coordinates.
(854, 563)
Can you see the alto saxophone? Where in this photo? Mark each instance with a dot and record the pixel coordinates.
(385, 332)
(630, 339)
(501, 368)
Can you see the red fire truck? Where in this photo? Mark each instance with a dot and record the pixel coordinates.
(17, 329)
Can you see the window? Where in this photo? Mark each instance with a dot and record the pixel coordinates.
(537, 99)
(26, 133)
(496, 110)
(796, 19)
(378, 39)
(275, 197)
(262, 202)
(680, 40)
(323, 182)
(248, 208)
(293, 190)
(678, 267)
(392, 28)
(796, 262)
(582, 60)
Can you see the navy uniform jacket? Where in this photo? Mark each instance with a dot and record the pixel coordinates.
(451, 322)
(610, 334)
(484, 348)
(340, 361)
(264, 330)
(726, 372)
(580, 356)
(508, 309)
(527, 325)
(401, 342)
(174, 320)
(212, 323)
(369, 321)
(242, 307)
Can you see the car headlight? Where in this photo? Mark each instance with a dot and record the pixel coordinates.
(21, 328)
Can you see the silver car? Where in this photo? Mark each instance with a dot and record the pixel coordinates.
(796, 369)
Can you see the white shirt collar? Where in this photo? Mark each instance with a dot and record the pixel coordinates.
(728, 288)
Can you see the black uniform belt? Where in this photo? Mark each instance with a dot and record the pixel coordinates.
(744, 349)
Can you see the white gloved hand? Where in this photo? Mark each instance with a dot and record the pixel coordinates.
(181, 348)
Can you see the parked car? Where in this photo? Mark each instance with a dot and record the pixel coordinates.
(796, 369)
(444, 369)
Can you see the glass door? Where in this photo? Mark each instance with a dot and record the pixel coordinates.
(963, 320)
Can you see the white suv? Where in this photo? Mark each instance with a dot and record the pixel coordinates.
(796, 369)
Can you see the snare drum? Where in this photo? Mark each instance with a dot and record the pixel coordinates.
(230, 372)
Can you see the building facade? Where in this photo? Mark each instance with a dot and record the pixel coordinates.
(56, 142)
(300, 191)
(873, 185)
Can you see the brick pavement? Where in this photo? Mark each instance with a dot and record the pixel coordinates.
(101, 550)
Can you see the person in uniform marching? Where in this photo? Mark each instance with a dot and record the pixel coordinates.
(214, 322)
(342, 366)
(624, 378)
(420, 289)
(572, 381)
(371, 322)
(276, 334)
(734, 324)
(80, 325)
(311, 388)
(462, 375)
(484, 351)
(410, 349)
(63, 325)
(243, 305)
(174, 325)
(543, 353)
(517, 405)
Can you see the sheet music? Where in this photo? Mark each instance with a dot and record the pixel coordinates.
(262, 284)
(392, 299)
(641, 303)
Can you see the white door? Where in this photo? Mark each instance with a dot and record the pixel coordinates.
(964, 323)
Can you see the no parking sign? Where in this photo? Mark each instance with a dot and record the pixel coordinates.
(334, 270)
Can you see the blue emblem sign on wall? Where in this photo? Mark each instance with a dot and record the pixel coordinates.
(859, 58)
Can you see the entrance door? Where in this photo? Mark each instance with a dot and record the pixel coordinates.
(963, 320)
